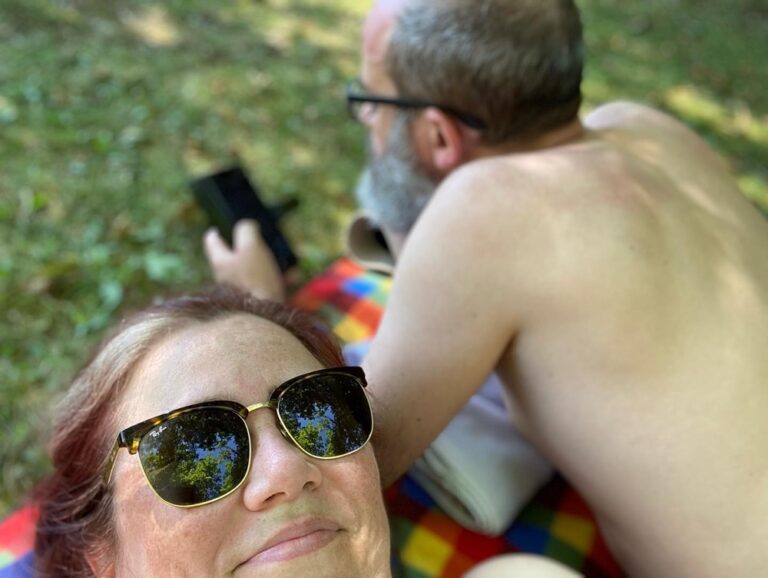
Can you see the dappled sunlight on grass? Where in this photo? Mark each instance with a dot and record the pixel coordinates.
(734, 123)
(692, 104)
(153, 25)
(751, 127)
(689, 102)
(755, 187)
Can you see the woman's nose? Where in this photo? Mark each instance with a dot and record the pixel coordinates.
(280, 471)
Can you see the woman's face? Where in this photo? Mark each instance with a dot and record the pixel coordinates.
(293, 516)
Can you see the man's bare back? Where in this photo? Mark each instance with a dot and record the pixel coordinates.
(619, 286)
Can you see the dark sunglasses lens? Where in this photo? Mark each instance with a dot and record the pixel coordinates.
(327, 415)
(196, 457)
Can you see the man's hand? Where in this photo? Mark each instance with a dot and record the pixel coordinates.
(249, 265)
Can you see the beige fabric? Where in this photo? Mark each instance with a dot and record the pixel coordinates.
(364, 248)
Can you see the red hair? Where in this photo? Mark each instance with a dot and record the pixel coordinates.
(75, 523)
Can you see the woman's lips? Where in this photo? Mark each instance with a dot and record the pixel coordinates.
(296, 540)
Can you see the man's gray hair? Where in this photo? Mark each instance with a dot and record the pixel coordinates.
(514, 64)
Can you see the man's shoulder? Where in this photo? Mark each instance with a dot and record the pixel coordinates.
(510, 176)
(503, 185)
(630, 124)
(491, 206)
(486, 190)
(627, 114)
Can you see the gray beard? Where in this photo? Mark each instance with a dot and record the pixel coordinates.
(393, 189)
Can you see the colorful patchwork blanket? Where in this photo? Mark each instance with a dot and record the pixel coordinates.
(426, 543)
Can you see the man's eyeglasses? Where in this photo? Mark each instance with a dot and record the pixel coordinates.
(201, 453)
(361, 105)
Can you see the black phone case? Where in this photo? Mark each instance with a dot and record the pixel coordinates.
(227, 197)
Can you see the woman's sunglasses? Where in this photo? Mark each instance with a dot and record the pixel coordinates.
(201, 453)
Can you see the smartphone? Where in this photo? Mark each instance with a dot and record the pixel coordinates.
(227, 197)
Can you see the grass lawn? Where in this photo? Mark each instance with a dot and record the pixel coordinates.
(108, 108)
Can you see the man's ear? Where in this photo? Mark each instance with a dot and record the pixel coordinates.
(445, 141)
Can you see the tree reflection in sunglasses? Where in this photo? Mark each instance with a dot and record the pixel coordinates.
(324, 427)
(196, 457)
(200, 456)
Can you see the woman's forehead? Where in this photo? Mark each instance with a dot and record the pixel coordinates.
(240, 358)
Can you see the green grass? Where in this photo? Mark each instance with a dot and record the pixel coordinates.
(107, 109)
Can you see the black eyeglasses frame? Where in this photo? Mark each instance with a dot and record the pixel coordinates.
(354, 96)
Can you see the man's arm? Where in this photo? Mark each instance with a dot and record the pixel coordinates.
(448, 319)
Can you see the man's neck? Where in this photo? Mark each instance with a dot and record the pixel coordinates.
(571, 133)
(568, 134)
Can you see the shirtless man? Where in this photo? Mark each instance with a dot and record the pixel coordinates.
(609, 270)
